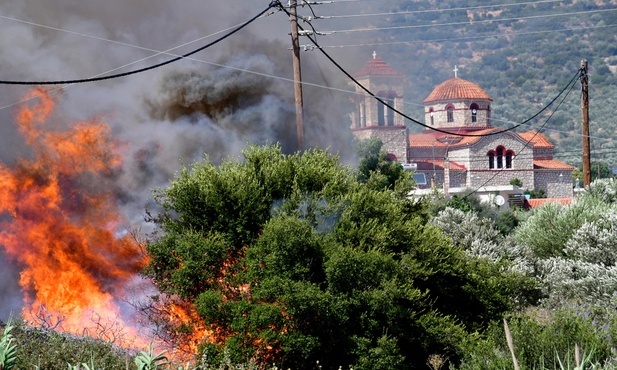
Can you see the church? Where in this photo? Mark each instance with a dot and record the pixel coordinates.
(460, 150)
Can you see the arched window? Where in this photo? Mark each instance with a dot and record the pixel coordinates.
(500, 153)
(491, 159)
(362, 122)
(391, 157)
(509, 155)
(390, 112)
(431, 113)
(450, 113)
(474, 112)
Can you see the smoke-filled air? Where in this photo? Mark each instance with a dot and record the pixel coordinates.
(79, 161)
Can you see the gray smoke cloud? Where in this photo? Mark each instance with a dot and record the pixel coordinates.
(236, 93)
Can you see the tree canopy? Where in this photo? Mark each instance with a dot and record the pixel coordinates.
(293, 259)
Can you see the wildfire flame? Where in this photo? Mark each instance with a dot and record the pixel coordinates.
(60, 222)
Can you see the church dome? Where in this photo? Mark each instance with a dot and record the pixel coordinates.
(457, 89)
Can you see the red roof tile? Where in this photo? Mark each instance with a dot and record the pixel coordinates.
(551, 164)
(429, 139)
(537, 202)
(538, 140)
(437, 164)
(457, 89)
(376, 67)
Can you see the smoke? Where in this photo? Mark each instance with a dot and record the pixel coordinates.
(236, 93)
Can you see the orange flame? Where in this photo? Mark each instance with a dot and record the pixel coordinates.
(59, 220)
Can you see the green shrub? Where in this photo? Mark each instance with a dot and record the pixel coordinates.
(540, 342)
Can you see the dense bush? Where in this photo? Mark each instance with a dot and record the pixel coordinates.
(45, 349)
(291, 259)
(542, 340)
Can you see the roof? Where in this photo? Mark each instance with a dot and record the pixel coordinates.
(437, 164)
(551, 164)
(537, 202)
(429, 139)
(457, 89)
(377, 67)
(538, 140)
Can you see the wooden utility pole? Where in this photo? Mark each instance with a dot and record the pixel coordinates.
(585, 119)
(293, 19)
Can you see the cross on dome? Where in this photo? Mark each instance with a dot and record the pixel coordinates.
(455, 71)
(374, 54)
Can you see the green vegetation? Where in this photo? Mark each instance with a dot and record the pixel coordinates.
(295, 261)
(292, 259)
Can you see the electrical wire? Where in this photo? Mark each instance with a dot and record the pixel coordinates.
(467, 38)
(469, 22)
(527, 143)
(93, 79)
(440, 10)
(416, 121)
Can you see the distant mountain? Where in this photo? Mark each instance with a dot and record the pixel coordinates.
(522, 53)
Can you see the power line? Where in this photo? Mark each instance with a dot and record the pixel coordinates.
(93, 79)
(526, 144)
(437, 10)
(420, 123)
(467, 38)
(467, 22)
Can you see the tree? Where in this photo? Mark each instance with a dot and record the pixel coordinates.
(374, 161)
(290, 259)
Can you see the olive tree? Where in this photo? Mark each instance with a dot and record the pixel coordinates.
(293, 259)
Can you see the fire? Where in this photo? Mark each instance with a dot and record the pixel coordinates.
(60, 222)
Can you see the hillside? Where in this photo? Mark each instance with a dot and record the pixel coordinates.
(523, 54)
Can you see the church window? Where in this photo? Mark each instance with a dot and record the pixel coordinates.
(431, 112)
(500, 153)
(450, 113)
(381, 110)
(390, 112)
(474, 112)
(491, 159)
(509, 155)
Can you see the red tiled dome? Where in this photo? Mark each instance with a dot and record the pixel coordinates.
(457, 89)
(376, 67)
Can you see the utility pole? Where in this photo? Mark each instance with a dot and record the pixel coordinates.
(293, 19)
(585, 119)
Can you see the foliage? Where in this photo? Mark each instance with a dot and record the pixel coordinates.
(375, 168)
(290, 259)
(572, 248)
(541, 342)
(517, 182)
(148, 360)
(536, 194)
(547, 230)
(8, 353)
(43, 349)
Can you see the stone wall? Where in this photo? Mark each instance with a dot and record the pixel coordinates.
(556, 183)
(367, 108)
(461, 114)
(394, 139)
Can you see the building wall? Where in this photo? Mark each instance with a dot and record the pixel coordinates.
(556, 183)
(461, 113)
(367, 110)
(521, 160)
(394, 139)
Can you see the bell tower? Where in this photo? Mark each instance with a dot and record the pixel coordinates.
(372, 118)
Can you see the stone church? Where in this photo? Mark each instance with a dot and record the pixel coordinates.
(467, 151)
